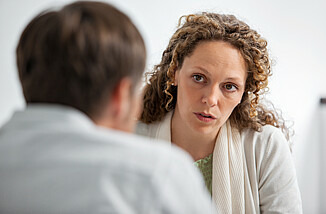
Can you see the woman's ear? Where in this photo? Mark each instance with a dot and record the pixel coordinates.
(176, 77)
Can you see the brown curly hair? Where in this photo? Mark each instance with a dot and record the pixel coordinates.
(160, 93)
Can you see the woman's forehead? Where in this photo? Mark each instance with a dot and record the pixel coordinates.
(215, 55)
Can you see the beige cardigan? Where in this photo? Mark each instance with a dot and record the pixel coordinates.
(270, 183)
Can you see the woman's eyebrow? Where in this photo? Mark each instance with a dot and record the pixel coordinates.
(203, 70)
(234, 79)
(239, 81)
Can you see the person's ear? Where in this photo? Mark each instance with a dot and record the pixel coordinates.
(176, 77)
(121, 98)
(116, 113)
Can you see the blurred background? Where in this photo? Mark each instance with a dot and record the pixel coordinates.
(296, 34)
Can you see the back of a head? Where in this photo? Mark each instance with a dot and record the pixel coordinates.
(76, 56)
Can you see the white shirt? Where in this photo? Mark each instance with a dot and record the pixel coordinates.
(270, 183)
(54, 159)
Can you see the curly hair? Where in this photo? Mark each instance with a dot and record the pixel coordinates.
(160, 93)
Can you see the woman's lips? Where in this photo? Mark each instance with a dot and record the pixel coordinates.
(205, 117)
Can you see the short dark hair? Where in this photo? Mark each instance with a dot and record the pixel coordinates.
(75, 56)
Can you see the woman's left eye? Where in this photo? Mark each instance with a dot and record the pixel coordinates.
(230, 87)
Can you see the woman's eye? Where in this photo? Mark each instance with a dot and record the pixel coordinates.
(198, 78)
(230, 87)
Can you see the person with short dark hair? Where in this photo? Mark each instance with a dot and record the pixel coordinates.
(70, 151)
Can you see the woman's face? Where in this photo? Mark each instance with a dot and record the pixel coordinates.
(210, 84)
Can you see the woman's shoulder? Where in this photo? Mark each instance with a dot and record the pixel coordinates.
(265, 132)
(266, 138)
(267, 153)
(156, 130)
(148, 130)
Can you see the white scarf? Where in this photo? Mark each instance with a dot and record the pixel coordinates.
(230, 180)
(228, 173)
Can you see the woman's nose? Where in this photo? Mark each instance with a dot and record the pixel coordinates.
(211, 96)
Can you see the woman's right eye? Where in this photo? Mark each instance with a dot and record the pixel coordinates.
(198, 78)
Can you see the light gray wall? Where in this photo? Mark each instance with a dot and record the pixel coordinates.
(295, 30)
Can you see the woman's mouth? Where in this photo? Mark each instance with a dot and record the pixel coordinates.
(205, 117)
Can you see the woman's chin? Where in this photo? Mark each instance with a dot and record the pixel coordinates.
(206, 130)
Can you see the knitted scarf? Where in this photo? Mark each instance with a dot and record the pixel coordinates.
(228, 173)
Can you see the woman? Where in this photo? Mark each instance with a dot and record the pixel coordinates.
(205, 97)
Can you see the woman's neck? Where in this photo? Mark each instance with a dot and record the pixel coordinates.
(197, 145)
